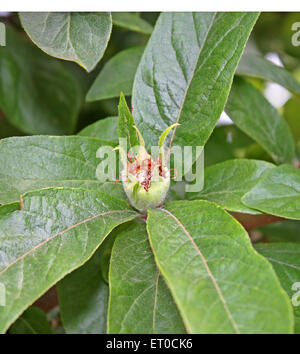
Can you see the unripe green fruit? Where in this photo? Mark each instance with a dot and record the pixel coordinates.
(143, 199)
(146, 181)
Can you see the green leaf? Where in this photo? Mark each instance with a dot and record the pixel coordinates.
(132, 22)
(77, 36)
(29, 163)
(8, 208)
(117, 75)
(291, 114)
(114, 189)
(106, 129)
(226, 142)
(37, 94)
(255, 66)
(106, 250)
(283, 231)
(33, 321)
(140, 301)
(285, 258)
(139, 136)
(256, 152)
(255, 116)
(186, 72)
(126, 126)
(226, 183)
(278, 193)
(218, 282)
(56, 231)
(83, 298)
(7, 129)
(163, 136)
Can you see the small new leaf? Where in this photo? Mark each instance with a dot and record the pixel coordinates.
(126, 123)
(140, 137)
(164, 135)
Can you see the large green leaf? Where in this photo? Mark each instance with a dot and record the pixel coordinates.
(83, 298)
(106, 129)
(186, 72)
(140, 301)
(219, 283)
(33, 321)
(226, 183)
(77, 36)
(116, 76)
(255, 66)
(37, 93)
(285, 258)
(29, 163)
(56, 231)
(278, 193)
(132, 22)
(255, 116)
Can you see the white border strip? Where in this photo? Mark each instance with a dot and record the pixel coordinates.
(152, 5)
